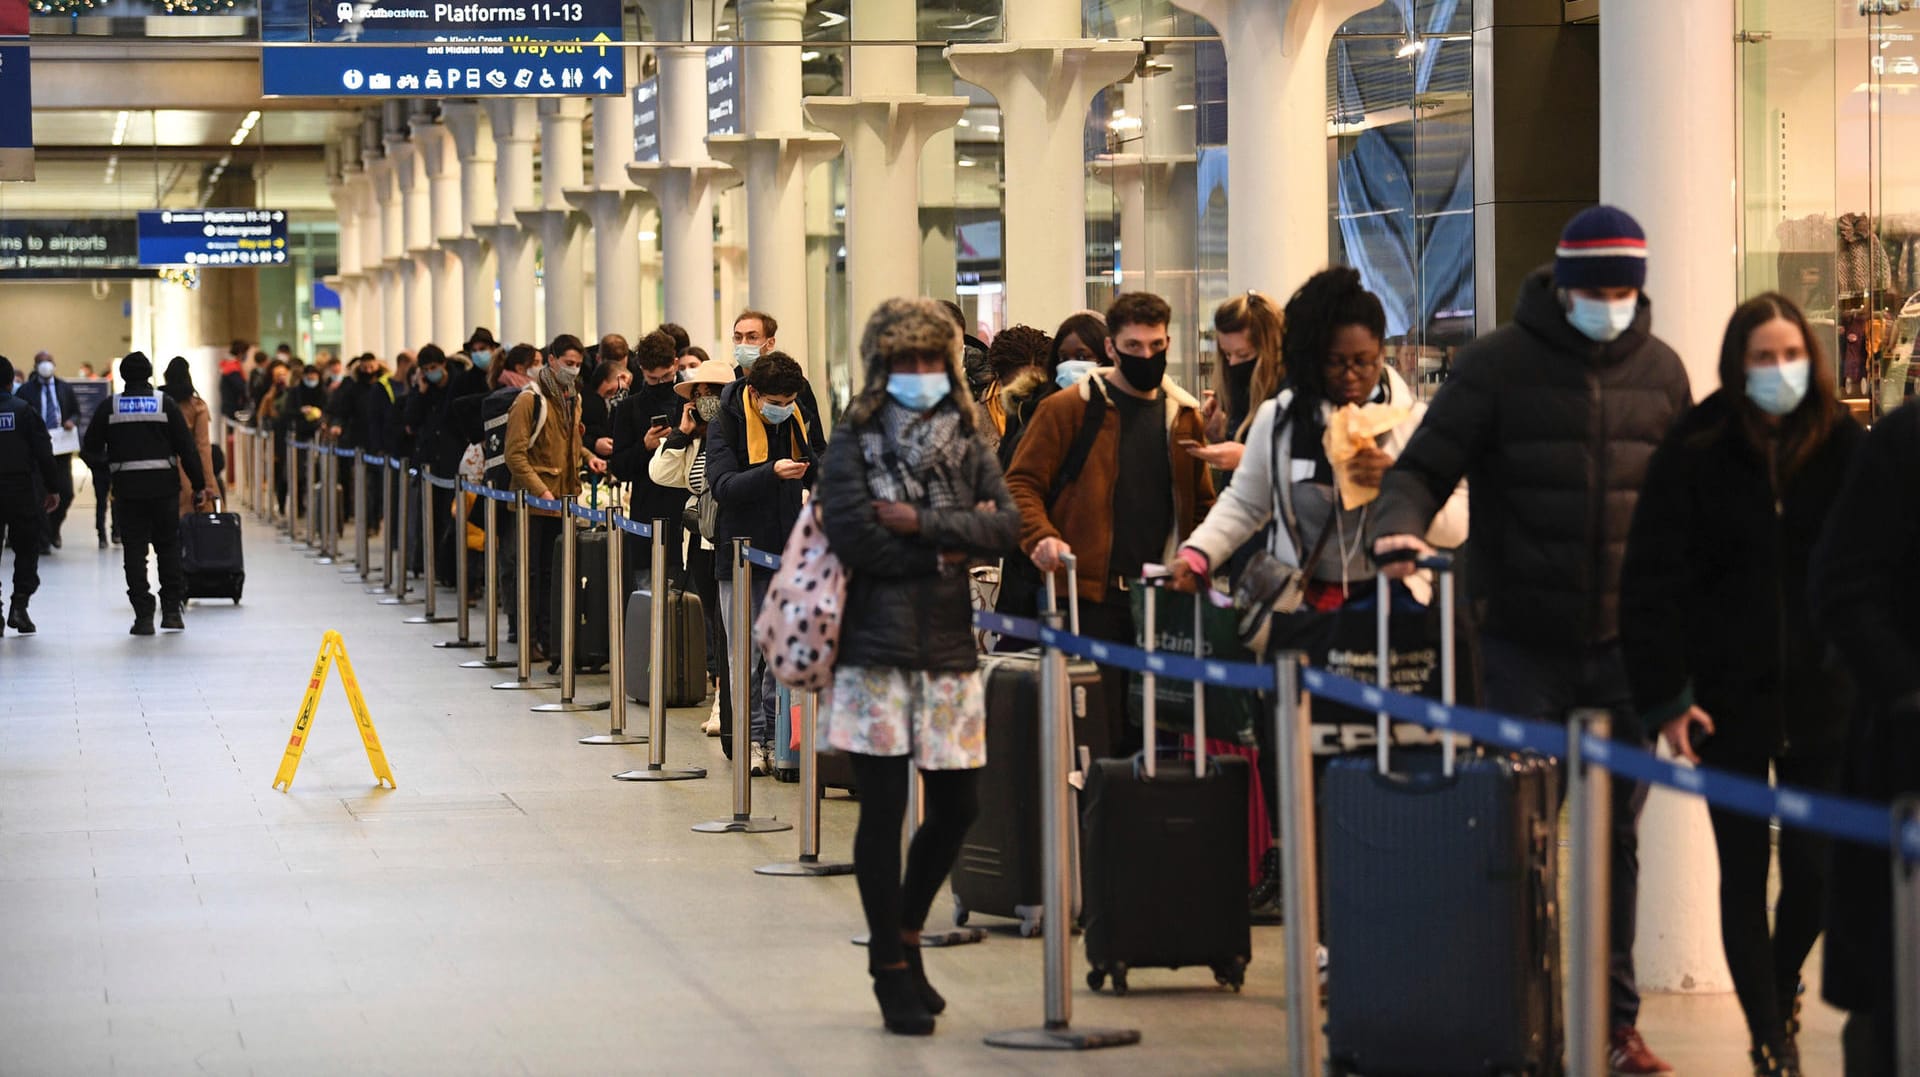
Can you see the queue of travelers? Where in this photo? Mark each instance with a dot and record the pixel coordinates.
(1718, 577)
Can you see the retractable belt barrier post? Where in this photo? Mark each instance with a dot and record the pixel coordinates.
(263, 446)
(1299, 880)
(462, 586)
(312, 474)
(295, 487)
(523, 601)
(362, 545)
(809, 862)
(656, 769)
(378, 466)
(616, 733)
(330, 508)
(740, 642)
(1589, 865)
(1906, 934)
(490, 586)
(567, 579)
(397, 530)
(246, 446)
(1056, 823)
(429, 580)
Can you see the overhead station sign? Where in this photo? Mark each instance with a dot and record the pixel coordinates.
(63, 247)
(646, 121)
(213, 237)
(16, 94)
(723, 90)
(468, 49)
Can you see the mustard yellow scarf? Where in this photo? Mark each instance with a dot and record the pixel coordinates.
(757, 428)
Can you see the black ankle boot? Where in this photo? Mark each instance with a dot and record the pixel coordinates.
(935, 1003)
(18, 620)
(900, 1003)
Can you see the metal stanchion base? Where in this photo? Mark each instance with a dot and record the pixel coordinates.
(565, 707)
(486, 663)
(323, 560)
(351, 570)
(668, 774)
(1064, 1038)
(379, 590)
(398, 600)
(459, 644)
(423, 619)
(525, 686)
(810, 866)
(617, 739)
(742, 825)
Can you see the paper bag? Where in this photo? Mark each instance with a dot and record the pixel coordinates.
(1352, 429)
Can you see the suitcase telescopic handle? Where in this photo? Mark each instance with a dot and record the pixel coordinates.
(1072, 565)
(1441, 565)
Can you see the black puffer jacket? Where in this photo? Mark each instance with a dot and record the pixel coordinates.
(1713, 597)
(1866, 598)
(1553, 433)
(903, 610)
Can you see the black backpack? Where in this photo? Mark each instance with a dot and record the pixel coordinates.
(493, 423)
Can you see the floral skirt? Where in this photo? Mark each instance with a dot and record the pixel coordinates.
(938, 718)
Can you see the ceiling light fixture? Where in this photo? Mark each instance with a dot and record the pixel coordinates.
(809, 56)
(1186, 107)
(120, 127)
(966, 162)
(246, 128)
(1411, 49)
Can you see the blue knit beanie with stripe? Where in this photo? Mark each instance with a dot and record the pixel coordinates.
(1602, 247)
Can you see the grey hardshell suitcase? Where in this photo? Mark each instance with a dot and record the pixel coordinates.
(684, 650)
(1440, 912)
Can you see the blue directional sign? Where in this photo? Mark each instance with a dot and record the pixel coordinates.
(16, 114)
(469, 49)
(212, 237)
(646, 121)
(724, 91)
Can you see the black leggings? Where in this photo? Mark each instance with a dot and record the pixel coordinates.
(894, 904)
(1766, 966)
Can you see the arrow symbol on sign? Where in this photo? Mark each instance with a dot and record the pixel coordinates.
(602, 75)
(602, 37)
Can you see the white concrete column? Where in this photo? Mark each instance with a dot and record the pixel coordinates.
(773, 159)
(1673, 169)
(436, 148)
(416, 237)
(615, 207)
(390, 335)
(883, 124)
(466, 123)
(683, 183)
(348, 287)
(513, 135)
(1277, 126)
(558, 225)
(1044, 76)
(346, 204)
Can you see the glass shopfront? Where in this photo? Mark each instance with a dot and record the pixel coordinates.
(1829, 204)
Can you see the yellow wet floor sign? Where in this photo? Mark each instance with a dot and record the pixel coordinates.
(333, 650)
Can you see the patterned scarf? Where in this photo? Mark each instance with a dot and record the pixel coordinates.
(917, 457)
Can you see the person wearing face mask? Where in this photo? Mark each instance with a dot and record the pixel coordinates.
(1015, 364)
(680, 465)
(1719, 639)
(544, 457)
(1122, 497)
(636, 431)
(26, 476)
(267, 416)
(301, 417)
(760, 452)
(53, 401)
(435, 445)
(1247, 331)
(752, 337)
(910, 494)
(1551, 420)
(357, 414)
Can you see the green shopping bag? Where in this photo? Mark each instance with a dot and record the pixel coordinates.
(1231, 712)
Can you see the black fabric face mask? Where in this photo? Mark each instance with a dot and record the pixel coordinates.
(1144, 372)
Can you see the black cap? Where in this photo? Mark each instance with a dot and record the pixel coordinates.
(136, 367)
(482, 335)
(6, 374)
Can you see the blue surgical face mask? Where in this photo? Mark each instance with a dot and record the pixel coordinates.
(745, 354)
(434, 376)
(1777, 390)
(919, 392)
(775, 414)
(1070, 371)
(311, 383)
(1601, 320)
(481, 358)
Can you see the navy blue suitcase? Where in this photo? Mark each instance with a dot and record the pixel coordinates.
(211, 555)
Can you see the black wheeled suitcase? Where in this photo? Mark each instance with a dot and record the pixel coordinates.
(1441, 915)
(1164, 875)
(212, 556)
(685, 648)
(591, 640)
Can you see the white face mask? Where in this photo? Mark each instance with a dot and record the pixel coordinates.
(45, 370)
(745, 354)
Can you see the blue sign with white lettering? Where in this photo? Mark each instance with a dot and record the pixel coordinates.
(212, 237)
(16, 114)
(137, 405)
(646, 121)
(470, 49)
(723, 90)
(6, 417)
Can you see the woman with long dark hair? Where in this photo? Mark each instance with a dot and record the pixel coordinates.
(1720, 646)
(910, 493)
(178, 387)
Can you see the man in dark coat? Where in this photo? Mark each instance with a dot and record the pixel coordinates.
(53, 400)
(634, 440)
(1552, 420)
(1866, 599)
(26, 495)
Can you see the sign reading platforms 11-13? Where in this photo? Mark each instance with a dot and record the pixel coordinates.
(212, 237)
(344, 48)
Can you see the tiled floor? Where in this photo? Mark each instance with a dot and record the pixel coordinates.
(507, 909)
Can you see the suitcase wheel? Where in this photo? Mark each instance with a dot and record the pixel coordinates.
(1029, 926)
(1096, 979)
(1120, 981)
(786, 774)
(960, 914)
(1234, 975)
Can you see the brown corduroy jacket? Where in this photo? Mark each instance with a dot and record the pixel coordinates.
(549, 461)
(1083, 514)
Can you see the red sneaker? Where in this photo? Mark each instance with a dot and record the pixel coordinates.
(1629, 1055)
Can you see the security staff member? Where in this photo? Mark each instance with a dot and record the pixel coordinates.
(143, 438)
(26, 461)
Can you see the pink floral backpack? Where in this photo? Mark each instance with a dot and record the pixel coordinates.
(798, 628)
